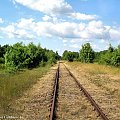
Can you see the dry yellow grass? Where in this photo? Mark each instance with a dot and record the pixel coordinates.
(102, 82)
(97, 69)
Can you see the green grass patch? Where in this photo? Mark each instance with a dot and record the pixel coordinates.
(12, 86)
(2, 68)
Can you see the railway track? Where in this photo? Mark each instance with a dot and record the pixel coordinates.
(58, 100)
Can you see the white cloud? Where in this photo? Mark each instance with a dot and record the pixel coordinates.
(20, 30)
(54, 19)
(65, 41)
(75, 32)
(9, 30)
(95, 47)
(1, 20)
(55, 8)
(61, 21)
(102, 41)
(97, 30)
(51, 7)
(46, 18)
(25, 23)
(106, 46)
(81, 16)
(115, 33)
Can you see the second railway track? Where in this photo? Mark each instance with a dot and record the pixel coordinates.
(70, 101)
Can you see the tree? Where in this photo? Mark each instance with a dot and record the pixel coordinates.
(65, 55)
(3, 50)
(98, 55)
(57, 56)
(34, 55)
(75, 56)
(15, 57)
(110, 49)
(86, 53)
(51, 56)
(70, 56)
(115, 60)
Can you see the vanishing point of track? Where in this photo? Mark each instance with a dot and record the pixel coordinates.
(55, 92)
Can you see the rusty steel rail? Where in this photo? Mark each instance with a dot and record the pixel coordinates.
(92, 101)
(54, 95)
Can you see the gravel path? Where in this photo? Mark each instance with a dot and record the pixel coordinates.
(72, 104)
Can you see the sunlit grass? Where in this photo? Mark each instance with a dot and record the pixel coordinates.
(105, 77)
(97, 69)
(12, 86)
(2, 68)
(100, 80)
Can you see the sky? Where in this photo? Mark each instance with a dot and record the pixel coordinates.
(61, 24)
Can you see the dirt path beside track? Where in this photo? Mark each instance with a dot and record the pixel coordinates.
(34, 105)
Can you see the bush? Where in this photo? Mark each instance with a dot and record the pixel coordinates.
(20, 56)
(2, 60)
(115, 60)
(42, 63)
(70, 56)
(111, 57)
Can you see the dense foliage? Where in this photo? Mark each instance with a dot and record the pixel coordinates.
(3, 50)
(110, 57)
(87, 55)
(70, 56)
(19, 56)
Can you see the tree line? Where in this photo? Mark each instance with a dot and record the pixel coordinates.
(20, 56)
(87, 55)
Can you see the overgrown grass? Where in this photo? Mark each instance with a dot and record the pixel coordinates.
(105, 77)
(12, 86)
(100, 80)
(97, 69)
(2, 68)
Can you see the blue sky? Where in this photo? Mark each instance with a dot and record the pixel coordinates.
(61, 24)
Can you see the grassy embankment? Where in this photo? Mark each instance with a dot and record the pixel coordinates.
(103, 76)
(97, 68)
(12, 86)
(103, 83)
